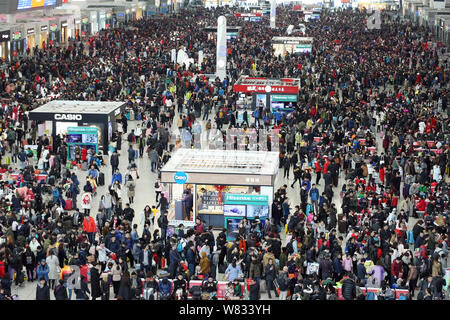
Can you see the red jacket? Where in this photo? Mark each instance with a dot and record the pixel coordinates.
(2, 269)
(396, 268)
(421, 205)
(318, 167)
(89, 226)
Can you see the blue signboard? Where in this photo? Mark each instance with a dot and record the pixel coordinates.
(180, 177)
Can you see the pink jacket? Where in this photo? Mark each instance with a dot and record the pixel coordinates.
(347, 264)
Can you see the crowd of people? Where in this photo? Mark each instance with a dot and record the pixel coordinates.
(370, 130)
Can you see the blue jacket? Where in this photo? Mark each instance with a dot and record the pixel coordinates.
(190, 256)
(164, 288)
(55, 194)
(117, 177)
(314, 193)
(93, 172)
(42, 272)
(337, 266)
(114, 246)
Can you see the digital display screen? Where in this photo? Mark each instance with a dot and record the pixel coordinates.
(74, 138)
(30, 4)
(232, 226)
(257, 211)
(234, 210)
(89, 138)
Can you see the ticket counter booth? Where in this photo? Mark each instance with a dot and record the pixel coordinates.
(219, 186)
(55, 117)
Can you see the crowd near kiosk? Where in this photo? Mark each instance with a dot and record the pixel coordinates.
(277, 94)
(293, 45)
(60, 117)
(219, 186)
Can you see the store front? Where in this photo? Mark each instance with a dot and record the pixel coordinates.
(18, 44)
(77, 28)
(102, 21)
(5, 37)
(109, 21)
(85, 27)
(57, 116)
(54, 34)
(43, 37)
(31, 39)
(220, 187)
(64, 29)
(93, 23)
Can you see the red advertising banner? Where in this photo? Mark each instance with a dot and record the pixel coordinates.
(264, 89)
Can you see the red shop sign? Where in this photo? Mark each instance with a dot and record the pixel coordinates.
(265, 89)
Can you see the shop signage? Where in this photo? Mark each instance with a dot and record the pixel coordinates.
(246, 199)
(68, 116)
(63, 24)
(53, 27)
(77, 21)
(30, 31)
(180, 177)
(117, 112)
(44, 28)
(261, 88)
(85, 20)
(17, 35)
(276, 97)
(4, 36)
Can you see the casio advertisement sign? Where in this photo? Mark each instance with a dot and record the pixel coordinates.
(63, 116)
(180, 177)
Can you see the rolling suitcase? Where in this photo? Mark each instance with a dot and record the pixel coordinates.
(84, 166)
(101, 179)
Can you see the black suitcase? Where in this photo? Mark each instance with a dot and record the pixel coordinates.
(101, 179)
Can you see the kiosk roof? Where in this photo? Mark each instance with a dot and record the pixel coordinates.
(223, 161)
(69, 106)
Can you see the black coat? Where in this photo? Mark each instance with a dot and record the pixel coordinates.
(95, 283)
(124, 291)
(43, 293)
(60, 293)
(349, 289)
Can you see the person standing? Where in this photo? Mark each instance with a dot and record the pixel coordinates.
(114, 162)
(270, 274)
(60, 291)
(42, 290)
(96, 291)
(54, 269)
(283, 283)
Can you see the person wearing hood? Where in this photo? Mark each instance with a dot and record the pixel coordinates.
(42, 290)
(204, 263)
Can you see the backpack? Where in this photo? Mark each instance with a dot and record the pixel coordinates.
(131, 187)
(290, 248)
(160, 222)
(29, 259)
(402, 297)
(370, 296)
